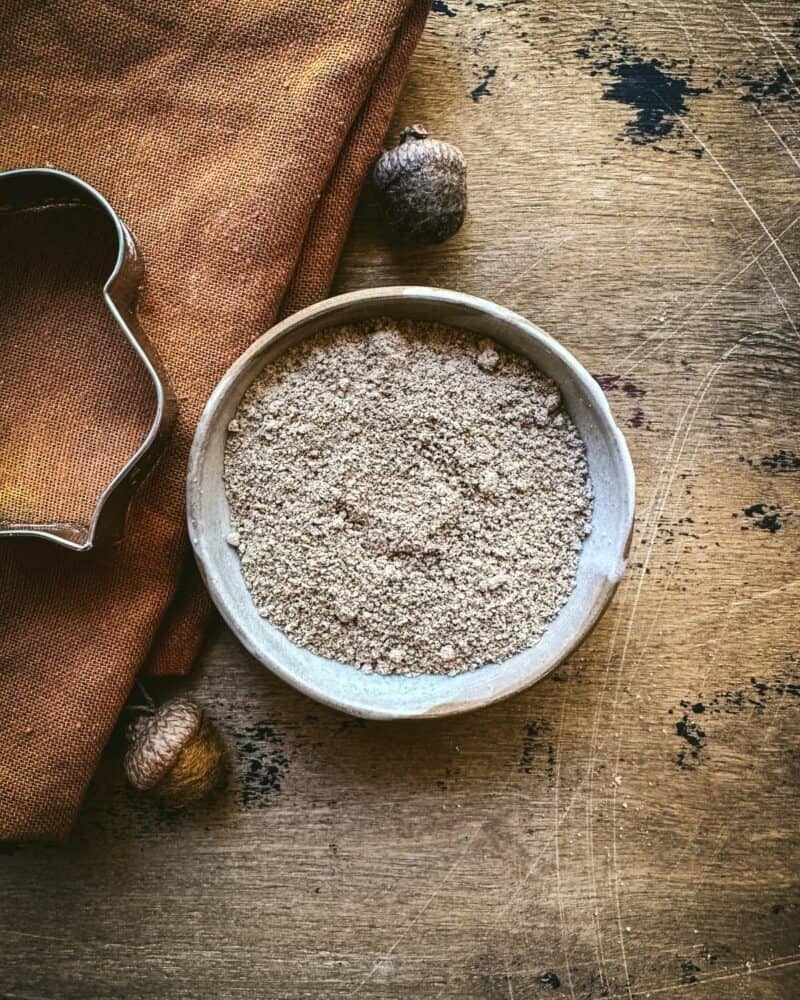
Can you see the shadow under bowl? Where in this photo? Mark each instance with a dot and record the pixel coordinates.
(602, 560)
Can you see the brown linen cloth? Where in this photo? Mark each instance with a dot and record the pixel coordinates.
(232, 137)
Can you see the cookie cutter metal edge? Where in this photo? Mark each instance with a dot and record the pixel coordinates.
(43, 187)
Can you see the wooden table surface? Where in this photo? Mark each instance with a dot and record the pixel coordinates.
(629, 827)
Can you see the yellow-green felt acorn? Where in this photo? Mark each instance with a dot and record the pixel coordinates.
(174, 752)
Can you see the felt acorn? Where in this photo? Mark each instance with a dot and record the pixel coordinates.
(422, 187)
(174, 752)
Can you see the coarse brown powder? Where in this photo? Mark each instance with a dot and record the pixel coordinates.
(407, 498)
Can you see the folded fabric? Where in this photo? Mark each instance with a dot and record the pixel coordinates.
(232, 138)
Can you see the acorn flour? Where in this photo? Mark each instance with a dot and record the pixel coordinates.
(406, 497)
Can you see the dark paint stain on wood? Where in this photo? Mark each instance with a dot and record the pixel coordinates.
(782, 460)
(440, 7)
(551, 762)
(756, 696)
(689, 972)
(263, 759)
(793, 906)
(780, 687)
(730, 702)
(499, 976)
(617, 383)
(653, 87)
(482, 90)
(550, 979)
(530, 742)
(612, 383)
(763, 516)
(658, 96)
(778, 88)
(695, 737)
(534, 748)
(637, 420)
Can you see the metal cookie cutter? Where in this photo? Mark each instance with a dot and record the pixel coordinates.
(43, 188)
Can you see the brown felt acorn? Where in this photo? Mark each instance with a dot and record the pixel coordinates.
(174, 752)
(422, 187)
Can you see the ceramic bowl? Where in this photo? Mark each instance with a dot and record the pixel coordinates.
(602, 559)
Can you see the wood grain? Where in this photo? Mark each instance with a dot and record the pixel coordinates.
(629, 827)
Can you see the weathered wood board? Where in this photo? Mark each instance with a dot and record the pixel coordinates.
(629, 827)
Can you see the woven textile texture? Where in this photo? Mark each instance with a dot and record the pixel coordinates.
(232, 138)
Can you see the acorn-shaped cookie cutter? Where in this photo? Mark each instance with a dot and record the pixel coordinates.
(41, 188)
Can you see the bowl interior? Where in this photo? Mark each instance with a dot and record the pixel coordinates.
(602, 559)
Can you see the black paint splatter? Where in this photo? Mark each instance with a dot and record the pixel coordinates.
(637, 420)
(532, 745)
(612, 383)
(695, 737)
(489, 73)
(533, 731)
(654, 88)
(440, 7)
(763, 517)
(729, 702)
(779, 461)
(777, 686)
(616, 383)
(793, 906)
(264, 762)
(689, 972)
(658, 95)
(550, 979)
(778, 88)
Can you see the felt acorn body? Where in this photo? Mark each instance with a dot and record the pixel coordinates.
(422, 187)
(174, 752)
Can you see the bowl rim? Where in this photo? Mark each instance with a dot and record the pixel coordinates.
(230, 382)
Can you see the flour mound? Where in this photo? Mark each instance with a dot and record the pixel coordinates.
(406, 497)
